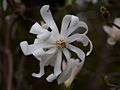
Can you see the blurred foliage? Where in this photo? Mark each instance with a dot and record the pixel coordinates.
(104, 60)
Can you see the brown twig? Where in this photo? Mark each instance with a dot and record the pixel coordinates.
(10, 67)
(20, 72)
(1, 14)
(106, 79)
(8, 56)
(11, 3)
(10, 24)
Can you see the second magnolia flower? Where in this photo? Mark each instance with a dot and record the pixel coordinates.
(49, 45)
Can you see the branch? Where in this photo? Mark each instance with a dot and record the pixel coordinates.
(10, 69)
(20, 72)
(1, 14)
(10, 24)
(11, 3)
(8, 56)
(106, 79)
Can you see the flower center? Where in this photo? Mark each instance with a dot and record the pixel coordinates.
(60, 43)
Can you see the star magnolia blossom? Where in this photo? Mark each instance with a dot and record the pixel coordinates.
(49, 45)
(113, 32)
(76, 67)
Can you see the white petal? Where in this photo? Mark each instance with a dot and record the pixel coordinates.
(36, 29)
(46, 45)
(57, 68)
(41, 73)
(42, 65)
(38, 53)
(76, 66)
(44, 36)
(44, 59)
(65, 23)
(76, 25)
(51, 51)
(91, 46)
(68, 70)
(78, 51)
(108, 29)
(45, 26)
(111, 41)
(28, 49)
(37, 41)
(72, 25)
(51, 77)
(79, 64)
(47, 16)
(117, 21)
(52, 60)
(79, 37)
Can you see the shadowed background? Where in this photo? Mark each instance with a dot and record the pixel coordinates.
(101, 70)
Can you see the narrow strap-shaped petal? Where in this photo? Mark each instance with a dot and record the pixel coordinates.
(51, 77)
(51, 51)
(44, 36)
(47, 16)
(46, 45)
(52, 60)
(108, 30)
(65, 24)
(43, 61)
(91, 46)
(79, 64)
(78, 37)
(29, 49)
(78, 51)
(40, 52)
(117, 21)
(83, 39)
(57, 67)
(45, 26)
(36, 29)
(73, 23)
(36, 41)
(68, 70)
(78, 24)
(111, 41)
(76, 67)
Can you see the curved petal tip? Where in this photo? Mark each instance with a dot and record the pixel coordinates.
(24, 46)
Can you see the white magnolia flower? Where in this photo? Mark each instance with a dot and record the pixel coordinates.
(49, 45)
(76, 67)
(113, 32)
